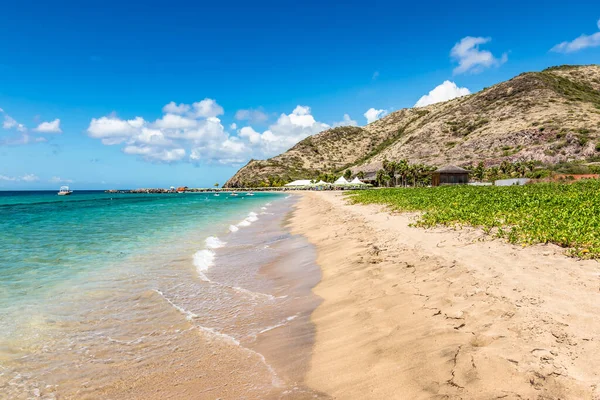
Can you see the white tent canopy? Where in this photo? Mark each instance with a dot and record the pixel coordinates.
(356, 181)
(321, 183)
(301, 182)
(341, 181)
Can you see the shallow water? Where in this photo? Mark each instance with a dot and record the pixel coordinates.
(153, 296)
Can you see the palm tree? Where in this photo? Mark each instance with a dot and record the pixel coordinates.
(361, 175)
(389, 167)
(381, 178)
(402, 170)
(479, 171)
(216, 185)
(347, 174)
(506, 167)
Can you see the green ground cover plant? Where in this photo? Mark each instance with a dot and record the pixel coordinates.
(564, 214)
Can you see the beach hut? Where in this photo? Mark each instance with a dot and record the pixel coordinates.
(370, 178)
(356, 181)
(341, 181)
(449, 175)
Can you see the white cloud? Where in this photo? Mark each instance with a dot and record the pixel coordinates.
(347, 121)
(152, 153)
(58, 179)
(582, 42)
(113, 130)
(373, 115)
(9, 122)
(286, 132)
(446, 91)
(471, 59)
(173, 108)
(251, 115)
(49, 127)
(30, 178)
(207, 108)
(198, 135)
(165, 139)
(173, 121)
(24, 178)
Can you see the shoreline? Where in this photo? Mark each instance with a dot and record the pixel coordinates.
(441, 313)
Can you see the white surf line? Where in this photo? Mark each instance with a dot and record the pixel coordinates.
(204, 259)
(250, 292)
(213, 333)
(188, 314)
(279, 325)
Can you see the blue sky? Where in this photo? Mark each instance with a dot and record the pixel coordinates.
(279, 71)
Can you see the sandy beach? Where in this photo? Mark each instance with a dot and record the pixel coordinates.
(409, 313)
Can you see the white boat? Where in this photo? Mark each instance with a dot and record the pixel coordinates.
(234, 194)
(249, 194)
(216, 194)
(64, 191)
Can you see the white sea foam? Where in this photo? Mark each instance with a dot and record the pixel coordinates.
(203, 260)
(263, 208)
(279, 325)
(213, 242)
(214, 334)
(233, 228)
(223, 336)
(268, 204)
(252, 217)
(188, 314)
(252, 294)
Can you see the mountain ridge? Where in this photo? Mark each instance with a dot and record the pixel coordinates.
(550, 116)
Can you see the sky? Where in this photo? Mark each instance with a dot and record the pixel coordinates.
(107, 94)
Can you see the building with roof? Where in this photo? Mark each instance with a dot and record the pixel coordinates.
(449, 175)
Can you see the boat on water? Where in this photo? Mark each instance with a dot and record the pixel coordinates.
(64, 191)
(249, 194)
(234, 194)
(216, 194)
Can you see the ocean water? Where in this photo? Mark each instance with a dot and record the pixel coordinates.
(134, 296)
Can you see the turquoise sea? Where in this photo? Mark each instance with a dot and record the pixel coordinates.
(95, 283)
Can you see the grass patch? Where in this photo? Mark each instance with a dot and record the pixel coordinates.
(564, 214)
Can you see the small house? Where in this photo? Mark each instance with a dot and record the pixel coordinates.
(370, 178)
(449, 175)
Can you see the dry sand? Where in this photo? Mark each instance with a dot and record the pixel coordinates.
(410, 313)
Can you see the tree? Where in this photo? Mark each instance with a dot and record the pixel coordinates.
(216, 185)
(479, 171)
(390, 167)
(506, 167)
(402, 170)
(347, 174)
(361, 175)
(381, 178)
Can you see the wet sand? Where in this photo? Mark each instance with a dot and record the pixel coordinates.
(410, 313)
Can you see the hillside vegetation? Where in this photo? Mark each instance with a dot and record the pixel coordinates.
(551, 117)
